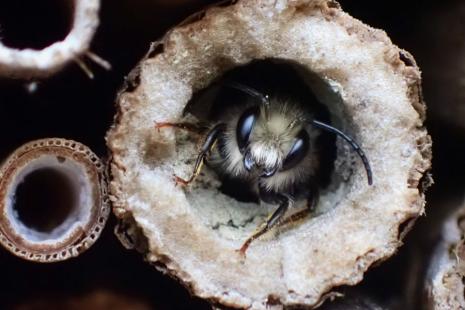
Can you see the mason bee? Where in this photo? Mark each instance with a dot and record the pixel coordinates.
(269, 144)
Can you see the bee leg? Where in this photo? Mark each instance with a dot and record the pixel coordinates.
(182, 125)
(312, 200)
(208, 144)
(272, 220)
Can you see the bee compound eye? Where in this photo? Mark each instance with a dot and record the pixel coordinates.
(298, 150)
(245, 126)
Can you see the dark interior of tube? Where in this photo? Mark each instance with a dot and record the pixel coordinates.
(44, 199)
(272, 78)
(34, 24)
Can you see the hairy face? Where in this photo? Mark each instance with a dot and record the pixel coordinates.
(268, 136)
(271, 140)
(270, 143)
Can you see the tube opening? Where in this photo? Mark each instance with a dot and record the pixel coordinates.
(278, 80)
(34, 24)
(44, 199)
(53, 200)
(234, 207)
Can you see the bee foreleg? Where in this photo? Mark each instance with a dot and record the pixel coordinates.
(272, 220)
(207, 146)
(197, 129)
(312, 201)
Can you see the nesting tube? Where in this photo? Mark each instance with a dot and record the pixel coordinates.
(372, 91)
(444, 281)
(53, 200)
(31, 63)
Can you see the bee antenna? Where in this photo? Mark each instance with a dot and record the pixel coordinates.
(352, 143)
(265, 99)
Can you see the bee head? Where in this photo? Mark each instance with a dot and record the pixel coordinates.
(271, 140)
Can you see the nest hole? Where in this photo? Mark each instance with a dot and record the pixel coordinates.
(44, 199)
(34, 24)
(276, 79)
(232, 201)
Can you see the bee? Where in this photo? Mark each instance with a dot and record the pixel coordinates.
(269, 144)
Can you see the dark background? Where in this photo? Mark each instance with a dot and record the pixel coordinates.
(70, 105)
